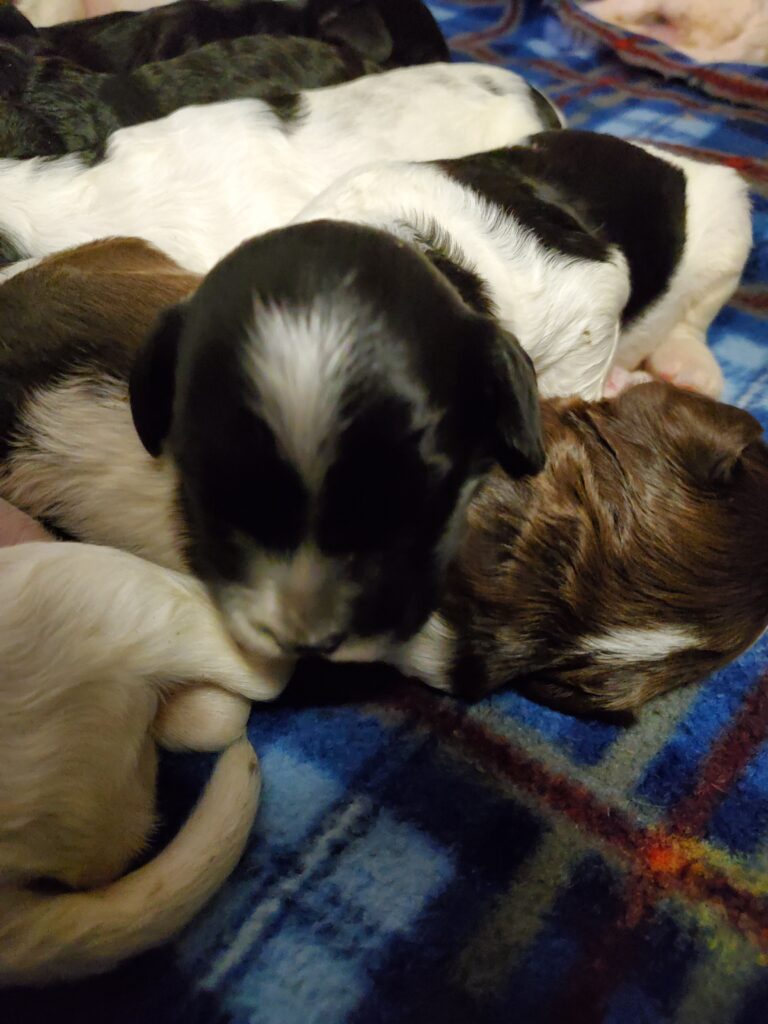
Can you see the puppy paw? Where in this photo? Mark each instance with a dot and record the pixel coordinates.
(689, 364)
(620, 380)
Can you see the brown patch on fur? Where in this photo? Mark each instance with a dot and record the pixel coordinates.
(85, 291)
(650, 514)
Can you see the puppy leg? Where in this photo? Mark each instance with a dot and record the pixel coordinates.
(684, 358)
(202, 717)
(620, 380)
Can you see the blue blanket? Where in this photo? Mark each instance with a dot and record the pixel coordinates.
(417, 860)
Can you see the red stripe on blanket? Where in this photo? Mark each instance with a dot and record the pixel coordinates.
(663, 863)
(735, 86)
(472, 43)
(751, 300)
(727, 759)
(591, 81)
(598, 973)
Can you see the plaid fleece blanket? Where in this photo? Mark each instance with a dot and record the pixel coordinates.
(418, 861)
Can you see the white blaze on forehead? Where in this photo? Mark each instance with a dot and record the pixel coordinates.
(300, 361)
(638, 644)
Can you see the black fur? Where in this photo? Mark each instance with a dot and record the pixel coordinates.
(496, 177)
(9, 251)
(435, 403)
(443, 254)
(392, 33)
(546, 110)
(582, 191)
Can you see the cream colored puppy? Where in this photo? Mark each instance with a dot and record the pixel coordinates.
(90, 638)
(709, 31)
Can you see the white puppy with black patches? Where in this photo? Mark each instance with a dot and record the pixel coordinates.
(637, 285)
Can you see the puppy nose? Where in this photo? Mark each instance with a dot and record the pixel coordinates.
(320, 648)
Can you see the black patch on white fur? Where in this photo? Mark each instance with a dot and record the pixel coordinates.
(444, 255)
(288, 108)
(623, 195)
(496, 177)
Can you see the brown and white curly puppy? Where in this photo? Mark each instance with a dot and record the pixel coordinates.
(636, 562)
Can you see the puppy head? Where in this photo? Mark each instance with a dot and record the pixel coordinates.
(330, 404)
(635, 563)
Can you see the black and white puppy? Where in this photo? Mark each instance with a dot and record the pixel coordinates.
(329, 405)
(364, 377)
(200, 181)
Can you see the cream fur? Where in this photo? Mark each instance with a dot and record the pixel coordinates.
(90, 640)
(709, 31)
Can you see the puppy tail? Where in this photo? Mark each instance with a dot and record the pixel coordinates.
(45, 938)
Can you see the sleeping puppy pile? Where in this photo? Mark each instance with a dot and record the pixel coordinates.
(324, 373)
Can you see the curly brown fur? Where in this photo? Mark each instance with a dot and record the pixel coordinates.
(647, 524)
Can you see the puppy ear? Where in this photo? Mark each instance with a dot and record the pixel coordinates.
(709, 437)
(358, 25)
(714, 451)
(152, 382)
(512, 399)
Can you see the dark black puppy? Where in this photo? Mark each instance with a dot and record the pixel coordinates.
(52, 106)
(330, 405)
(392, 33)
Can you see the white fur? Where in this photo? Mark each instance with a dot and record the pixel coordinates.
(91, 470)
(429, 655)
(299, 366)
(564, 312)
(632, 645)
(199, 182)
